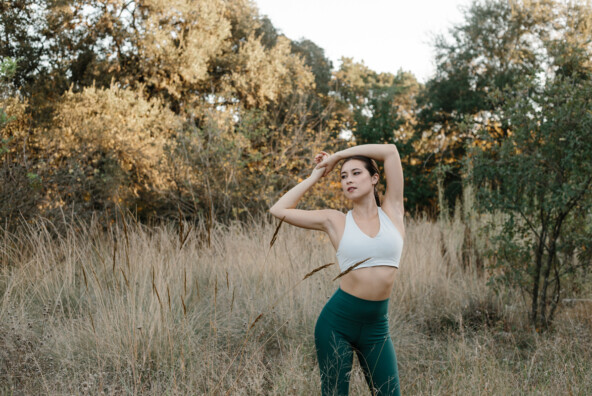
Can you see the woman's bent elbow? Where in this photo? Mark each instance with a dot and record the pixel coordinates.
(274, 211)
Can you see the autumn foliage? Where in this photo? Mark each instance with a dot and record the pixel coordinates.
(200, 106)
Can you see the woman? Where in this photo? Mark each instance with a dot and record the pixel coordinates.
(369, 239)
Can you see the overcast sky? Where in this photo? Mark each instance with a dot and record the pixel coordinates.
(387, 35)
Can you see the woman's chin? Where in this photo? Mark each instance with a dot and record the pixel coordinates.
(353, 196)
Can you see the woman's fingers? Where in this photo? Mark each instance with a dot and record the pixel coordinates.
(322, 160)
(320, 157)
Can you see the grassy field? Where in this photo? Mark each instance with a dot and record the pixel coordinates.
(158, 310)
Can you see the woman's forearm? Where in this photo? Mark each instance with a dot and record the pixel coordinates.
(290, 199)
(378, 152)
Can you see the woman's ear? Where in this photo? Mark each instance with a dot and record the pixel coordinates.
(375, 179)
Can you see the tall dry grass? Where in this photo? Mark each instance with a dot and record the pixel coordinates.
(133, 309)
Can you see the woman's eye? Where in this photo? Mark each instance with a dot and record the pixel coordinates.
(356, 173)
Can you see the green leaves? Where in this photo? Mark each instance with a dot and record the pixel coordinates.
(8, 68)
(540, 178)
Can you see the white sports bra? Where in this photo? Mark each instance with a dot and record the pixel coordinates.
(355, 246)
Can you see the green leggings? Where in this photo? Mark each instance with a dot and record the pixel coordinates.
(347, 324)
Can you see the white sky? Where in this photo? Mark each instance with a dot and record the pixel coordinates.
(387, 35)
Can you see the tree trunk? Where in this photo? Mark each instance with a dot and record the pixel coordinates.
(536, 277)
(556, 292)
(543, 321)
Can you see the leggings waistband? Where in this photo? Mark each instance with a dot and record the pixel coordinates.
(357, 309)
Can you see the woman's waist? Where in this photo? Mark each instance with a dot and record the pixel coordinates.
(345, 306)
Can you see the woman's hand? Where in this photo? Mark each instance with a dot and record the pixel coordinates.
(327, 162)
(320, 157)
(317, 172)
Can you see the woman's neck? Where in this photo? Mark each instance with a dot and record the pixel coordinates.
(366, 208)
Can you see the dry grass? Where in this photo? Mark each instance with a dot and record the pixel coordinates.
(158, 310)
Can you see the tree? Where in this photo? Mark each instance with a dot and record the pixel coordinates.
(20, 38)
(107, 148)
(320, 66)
(498, 43)
(542, 173)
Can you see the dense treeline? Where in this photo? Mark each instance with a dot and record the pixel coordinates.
(204, 105)
(203, 108)
(156, 106)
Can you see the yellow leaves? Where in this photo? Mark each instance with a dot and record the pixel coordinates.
(263, 75)
(113, 125)
(180, 39)
(19, 122)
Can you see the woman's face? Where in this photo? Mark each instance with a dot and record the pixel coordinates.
(356, 180)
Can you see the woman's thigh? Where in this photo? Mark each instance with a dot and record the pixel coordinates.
(379, 363)
(334, 354)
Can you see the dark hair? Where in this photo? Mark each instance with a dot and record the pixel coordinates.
(370, 166)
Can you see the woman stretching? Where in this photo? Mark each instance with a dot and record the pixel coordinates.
(370, 238)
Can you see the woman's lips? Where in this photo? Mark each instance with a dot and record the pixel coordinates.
(350, 189)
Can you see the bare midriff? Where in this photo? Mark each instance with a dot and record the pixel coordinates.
(372, 283)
